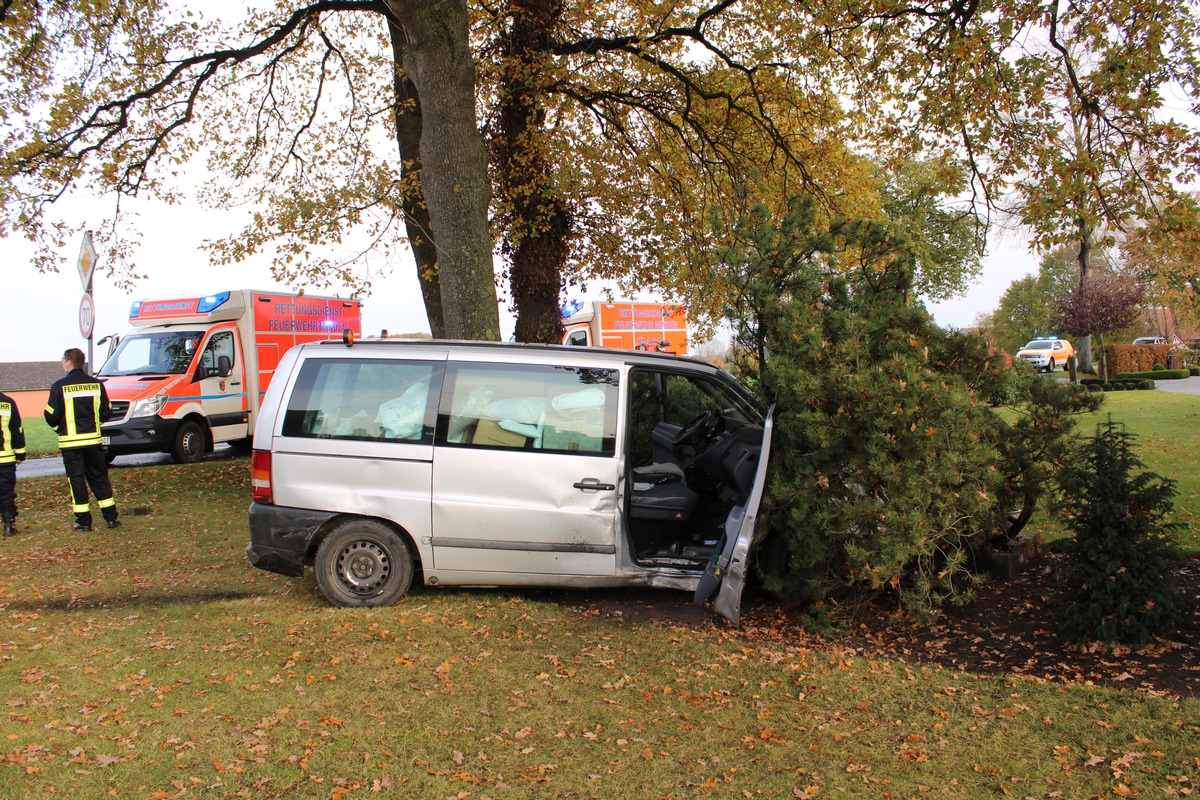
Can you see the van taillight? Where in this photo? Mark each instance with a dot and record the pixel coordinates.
(260, 476)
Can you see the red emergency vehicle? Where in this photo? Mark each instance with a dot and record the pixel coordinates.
(193, 372)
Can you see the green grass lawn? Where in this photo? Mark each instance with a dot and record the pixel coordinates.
(40, 438)
(154, 662)
(1167, 426)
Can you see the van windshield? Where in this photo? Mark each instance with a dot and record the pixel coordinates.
(153, 353)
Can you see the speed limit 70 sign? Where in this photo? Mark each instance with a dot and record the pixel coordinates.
(87, 316)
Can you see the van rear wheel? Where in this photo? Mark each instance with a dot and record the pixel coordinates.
(363, 562)
(189, 443)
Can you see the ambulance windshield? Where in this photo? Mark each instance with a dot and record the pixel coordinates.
(153, 353)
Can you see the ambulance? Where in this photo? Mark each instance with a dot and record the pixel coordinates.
(194, 370)
(653, 327)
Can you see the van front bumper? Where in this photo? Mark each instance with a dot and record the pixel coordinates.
(280, 537)
(140, 435)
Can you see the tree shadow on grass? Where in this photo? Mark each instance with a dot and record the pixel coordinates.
(155, 599)
(1009, 630)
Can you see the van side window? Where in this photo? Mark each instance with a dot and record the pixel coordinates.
(219, 347)
(530, 407)
(367, 399)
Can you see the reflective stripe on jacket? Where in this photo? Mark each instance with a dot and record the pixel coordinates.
(12, 433)
(77, 406)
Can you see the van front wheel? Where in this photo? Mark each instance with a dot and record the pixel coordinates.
(363, 562)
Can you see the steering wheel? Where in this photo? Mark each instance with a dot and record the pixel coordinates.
(690, 431)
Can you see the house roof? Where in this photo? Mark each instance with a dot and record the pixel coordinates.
(21, 376)
(1164, 322)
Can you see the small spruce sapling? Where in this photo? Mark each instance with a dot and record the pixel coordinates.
(1119, 582)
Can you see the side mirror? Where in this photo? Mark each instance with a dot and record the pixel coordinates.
(224, 366)
(113, 340)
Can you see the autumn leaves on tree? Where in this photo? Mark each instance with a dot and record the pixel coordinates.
(624, 141)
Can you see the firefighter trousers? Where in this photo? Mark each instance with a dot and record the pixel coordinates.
(86, 467)
(8, 489)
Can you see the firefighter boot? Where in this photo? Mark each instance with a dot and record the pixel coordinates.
(10, 524)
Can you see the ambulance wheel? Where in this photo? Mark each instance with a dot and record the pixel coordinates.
(363, 562)
(189, 443)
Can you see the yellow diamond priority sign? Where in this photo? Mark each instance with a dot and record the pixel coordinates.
(87, 260)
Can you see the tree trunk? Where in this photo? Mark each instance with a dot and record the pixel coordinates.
(538, 219)
(436, 57)
(416, 215)
(1084, 345)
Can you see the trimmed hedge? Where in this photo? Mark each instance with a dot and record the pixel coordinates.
(1156, 374)
(1094, 385)
(1122, 358)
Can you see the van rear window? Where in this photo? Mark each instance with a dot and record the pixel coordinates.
(364, 399)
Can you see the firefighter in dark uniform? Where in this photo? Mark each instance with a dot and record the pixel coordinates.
(12, 450)
(77, 406)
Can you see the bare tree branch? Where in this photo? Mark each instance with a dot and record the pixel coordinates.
(104, 126)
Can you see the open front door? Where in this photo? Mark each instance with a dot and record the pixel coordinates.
(725, 574)
(221, 385)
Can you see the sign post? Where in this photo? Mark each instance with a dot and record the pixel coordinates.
(87, 306)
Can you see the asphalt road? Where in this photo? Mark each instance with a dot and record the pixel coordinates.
(1182, 385)
(1177, 385)
(52, 465)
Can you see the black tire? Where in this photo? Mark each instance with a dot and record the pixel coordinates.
(363, 562)
(189, 443)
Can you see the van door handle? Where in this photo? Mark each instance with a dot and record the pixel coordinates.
(235, 383)
(594, 485)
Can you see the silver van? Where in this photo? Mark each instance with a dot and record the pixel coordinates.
(484, 464)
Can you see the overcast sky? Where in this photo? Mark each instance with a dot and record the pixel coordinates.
(41, 311)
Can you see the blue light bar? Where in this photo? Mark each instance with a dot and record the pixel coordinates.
(210, 302)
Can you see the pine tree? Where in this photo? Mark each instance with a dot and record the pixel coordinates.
(1120, 579)
(884, 471)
